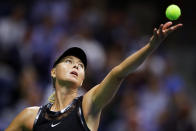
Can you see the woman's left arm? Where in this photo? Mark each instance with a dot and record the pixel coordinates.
(101, 95)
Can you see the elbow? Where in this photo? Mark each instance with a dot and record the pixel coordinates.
(118, 73)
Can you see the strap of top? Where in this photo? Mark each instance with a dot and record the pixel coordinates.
(37, 117)
(81, 115)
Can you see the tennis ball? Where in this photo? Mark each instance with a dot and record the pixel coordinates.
(173, 12)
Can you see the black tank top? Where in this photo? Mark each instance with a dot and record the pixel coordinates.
(69, 119)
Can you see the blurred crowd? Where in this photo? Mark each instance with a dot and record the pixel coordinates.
(32, 35)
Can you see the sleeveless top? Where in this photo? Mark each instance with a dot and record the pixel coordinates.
(70, 118)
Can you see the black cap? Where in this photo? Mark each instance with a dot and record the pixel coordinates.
(73, 51)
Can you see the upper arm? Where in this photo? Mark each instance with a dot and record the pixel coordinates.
(101, 94)
(23, 119)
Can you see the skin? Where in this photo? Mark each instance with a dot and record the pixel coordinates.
(99, 96)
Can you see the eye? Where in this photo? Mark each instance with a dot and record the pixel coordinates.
(68, 61)
(81, 66)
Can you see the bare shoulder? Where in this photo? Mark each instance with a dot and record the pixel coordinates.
(28, 113)
(24, 119)
(31, 110)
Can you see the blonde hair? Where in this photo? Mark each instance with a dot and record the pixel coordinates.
(51, 98)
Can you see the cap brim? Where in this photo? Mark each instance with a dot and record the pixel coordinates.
(73, 51)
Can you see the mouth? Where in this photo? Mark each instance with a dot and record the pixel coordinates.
(74, 73)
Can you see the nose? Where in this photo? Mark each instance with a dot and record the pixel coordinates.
(75, 66)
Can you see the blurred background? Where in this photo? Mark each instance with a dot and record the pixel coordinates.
(159, 96)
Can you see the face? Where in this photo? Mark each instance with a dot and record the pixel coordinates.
(69, 71)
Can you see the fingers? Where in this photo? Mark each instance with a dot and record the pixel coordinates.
(173, 28)
(167, 25)
(164, 29)
(155, 32)
(160, 31)
(176, 26)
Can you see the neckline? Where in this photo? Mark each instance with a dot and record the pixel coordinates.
(49, 105)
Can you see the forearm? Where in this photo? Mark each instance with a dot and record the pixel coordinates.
(132, 62)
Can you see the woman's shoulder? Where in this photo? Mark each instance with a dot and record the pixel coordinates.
(24, 119)
(32, 109)
(31, 113)
(28, 112)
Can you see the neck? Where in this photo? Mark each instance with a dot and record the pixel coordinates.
(64, 95)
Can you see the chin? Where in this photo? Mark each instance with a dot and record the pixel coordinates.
(72, 81)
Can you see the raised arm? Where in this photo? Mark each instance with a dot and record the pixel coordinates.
(101, 94)
(132, 62)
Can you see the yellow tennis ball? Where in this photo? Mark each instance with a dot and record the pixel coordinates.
(173, 12)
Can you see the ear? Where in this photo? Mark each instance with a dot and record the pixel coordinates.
(53, 73)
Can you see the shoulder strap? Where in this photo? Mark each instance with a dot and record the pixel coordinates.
(37, 117)
(80, 114)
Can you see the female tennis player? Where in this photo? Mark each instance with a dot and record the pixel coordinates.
(72, 113)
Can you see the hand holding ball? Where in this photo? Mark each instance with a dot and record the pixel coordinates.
(173, 12)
